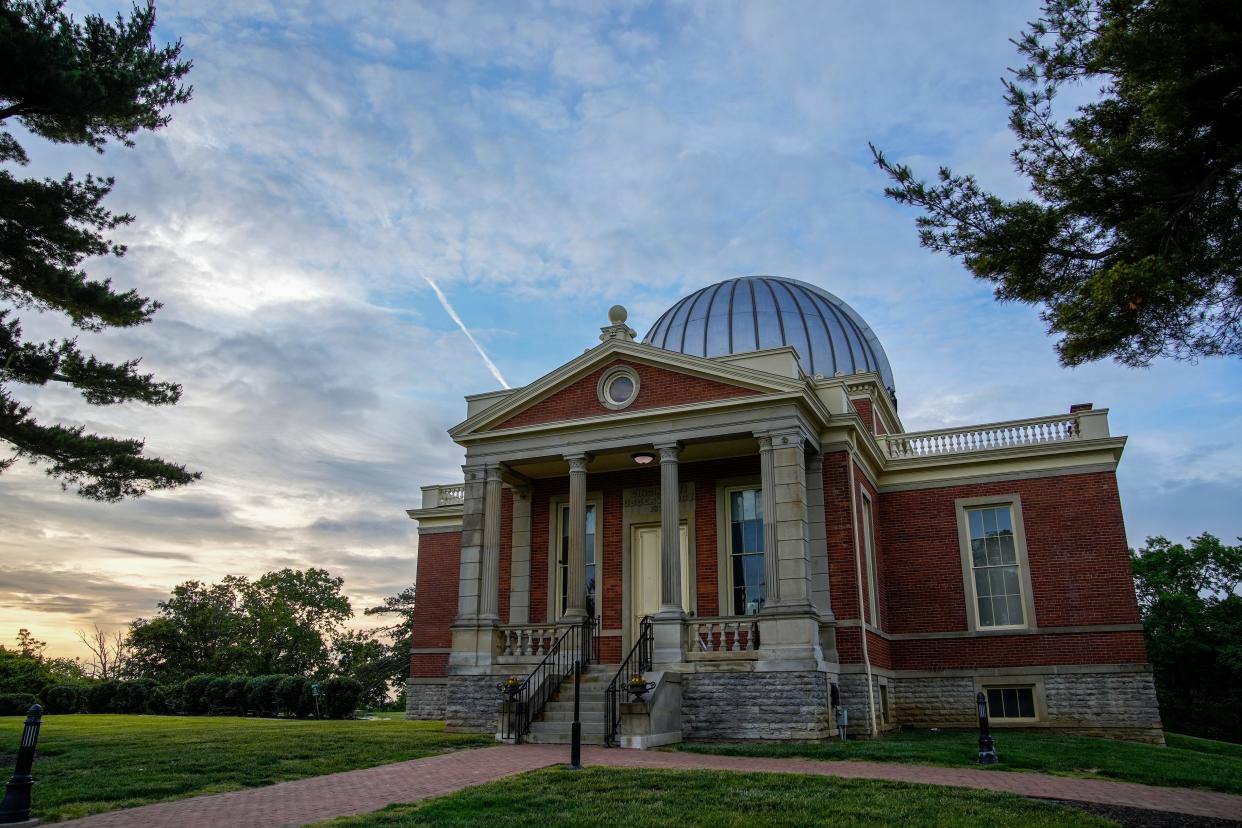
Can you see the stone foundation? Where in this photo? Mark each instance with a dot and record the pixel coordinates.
(472, 704)
(756, 705)
(1115, 703)
(425, 701)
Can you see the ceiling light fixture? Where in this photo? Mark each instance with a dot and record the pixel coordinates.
(642, 458)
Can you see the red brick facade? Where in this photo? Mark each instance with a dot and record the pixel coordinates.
(658, 388)
(1075, 540)
(439, 561)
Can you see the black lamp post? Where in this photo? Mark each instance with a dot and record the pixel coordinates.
(575, 729)
(987, 750)
(15, 809)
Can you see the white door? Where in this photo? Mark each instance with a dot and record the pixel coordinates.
(645, 574)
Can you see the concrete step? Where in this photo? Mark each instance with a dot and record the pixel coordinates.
(560, 739)
(592, 728)
(568, 705)
(568, 716)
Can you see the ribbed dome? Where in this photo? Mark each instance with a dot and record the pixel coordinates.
(757, 312)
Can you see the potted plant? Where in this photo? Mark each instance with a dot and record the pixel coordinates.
(510, 687)
(639, 685)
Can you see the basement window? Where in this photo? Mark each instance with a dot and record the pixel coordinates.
(1010, 703)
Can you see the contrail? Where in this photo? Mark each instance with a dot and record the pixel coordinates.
(491, 366)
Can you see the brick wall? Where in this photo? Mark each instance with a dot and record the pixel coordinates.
(658, 388)
(864, 409)
(439, 560)
(1011, 650)
(1076, 544)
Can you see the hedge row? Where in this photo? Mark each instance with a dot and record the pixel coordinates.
(237, 695)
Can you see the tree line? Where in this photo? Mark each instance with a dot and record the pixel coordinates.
(283, 623)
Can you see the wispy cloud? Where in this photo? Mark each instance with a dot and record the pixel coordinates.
(491, 366)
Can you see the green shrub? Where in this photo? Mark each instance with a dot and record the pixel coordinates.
(340, 697)
(194, 694)
(62, 698)
(261, 695)
(236, 698)
(16, 704)
(165, 699)
(294, 695)
(134, 696)
(101, 696)
(217, 696)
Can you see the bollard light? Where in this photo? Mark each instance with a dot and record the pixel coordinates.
(15, 809)
(987, 750)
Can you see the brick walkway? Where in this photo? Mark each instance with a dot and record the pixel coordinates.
(361, 791)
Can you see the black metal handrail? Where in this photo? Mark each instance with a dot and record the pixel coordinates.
(525, 700)
(636, 663)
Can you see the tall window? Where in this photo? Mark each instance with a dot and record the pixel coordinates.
(994, 561)
(588, 554)
(746, 551)
(873, 578)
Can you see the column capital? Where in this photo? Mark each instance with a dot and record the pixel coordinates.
(577, 462)
(782, 438)
(493, 474)
(669, 452)
(474, 471)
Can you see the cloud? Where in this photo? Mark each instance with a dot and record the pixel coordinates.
(543, 162)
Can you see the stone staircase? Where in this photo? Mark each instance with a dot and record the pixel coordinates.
(552, 727)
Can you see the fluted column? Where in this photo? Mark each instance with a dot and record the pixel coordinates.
(767, 492)
(670, 531)
(489, 571)
(575, 603)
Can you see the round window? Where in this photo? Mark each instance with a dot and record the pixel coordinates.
(618, 388)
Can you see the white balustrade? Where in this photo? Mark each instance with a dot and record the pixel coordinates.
(723, 635)
(452, 493)
(1037, 431)
(531, 640)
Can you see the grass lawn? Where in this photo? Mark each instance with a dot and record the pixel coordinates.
(91, 763)
(559, 798)
(1187, 762)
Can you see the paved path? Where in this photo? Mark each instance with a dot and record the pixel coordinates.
(361, 791)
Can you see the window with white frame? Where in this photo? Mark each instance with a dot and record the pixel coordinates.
(747, 586)
(997, 577)
(562, 560)
(1011, 702)
(873, 580)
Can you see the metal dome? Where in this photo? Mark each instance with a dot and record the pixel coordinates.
(757, 312)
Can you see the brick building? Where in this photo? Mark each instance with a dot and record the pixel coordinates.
(732, 508)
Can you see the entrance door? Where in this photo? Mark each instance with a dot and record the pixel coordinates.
(645, 574)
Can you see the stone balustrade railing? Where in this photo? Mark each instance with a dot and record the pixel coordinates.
(444, 494)
(733, 634)
(527, 640)
(1037, 431)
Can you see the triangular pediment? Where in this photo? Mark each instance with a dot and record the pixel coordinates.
(666, 379)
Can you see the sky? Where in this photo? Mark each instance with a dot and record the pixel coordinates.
(342, 164)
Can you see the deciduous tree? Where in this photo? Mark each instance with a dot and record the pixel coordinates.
(1192, 617)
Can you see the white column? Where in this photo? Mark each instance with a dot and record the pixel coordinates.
(821, 595)
(471, 545)
(786, 532)
(670, 532)
(489, 570)
(519, 578)
(575, 604)
(767, 492)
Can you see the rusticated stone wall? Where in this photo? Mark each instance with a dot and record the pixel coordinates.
(756, 705)
(472, 704)
(425, 701)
